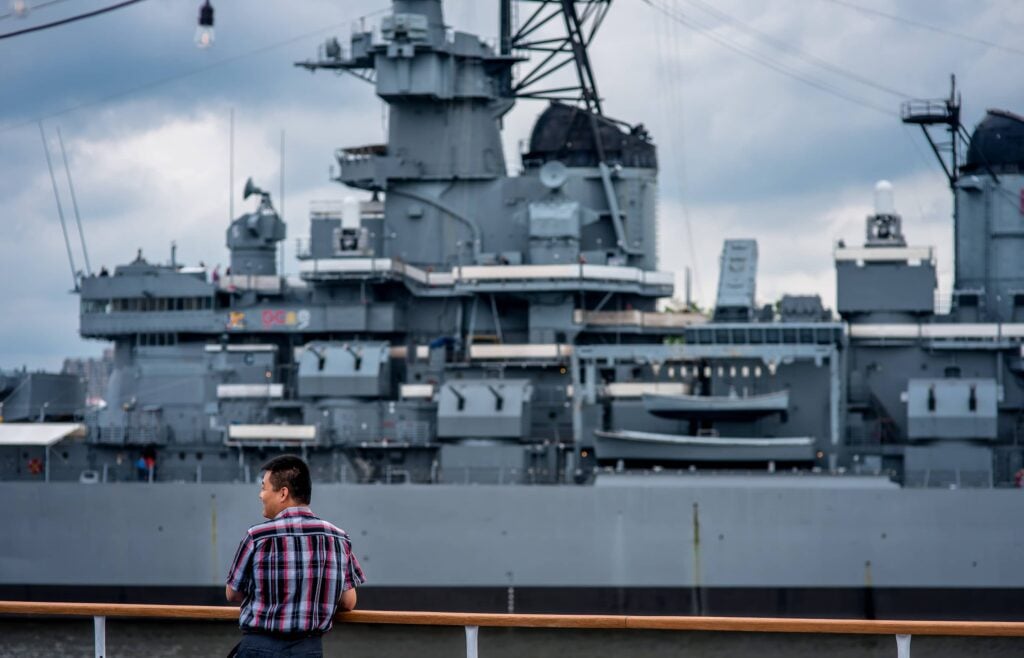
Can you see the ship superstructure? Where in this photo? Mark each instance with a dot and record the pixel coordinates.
(477, 327)
(440, 332)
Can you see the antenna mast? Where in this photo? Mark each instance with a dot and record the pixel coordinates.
(580, 20)
(943, 112)
(74, 202)
(60, 208)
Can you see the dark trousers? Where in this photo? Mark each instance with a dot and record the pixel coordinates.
(267, 646)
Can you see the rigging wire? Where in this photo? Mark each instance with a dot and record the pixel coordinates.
(926, 161)
(708, 33)
(695, 268)
(186, 74)
(69, 19)
(926, 26)
(671, 108)
(797, 52)
(60, 208)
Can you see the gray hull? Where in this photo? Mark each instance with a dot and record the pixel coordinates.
(702, 534)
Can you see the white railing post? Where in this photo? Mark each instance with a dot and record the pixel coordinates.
(471, 636)
(902, 646)
(100, 633)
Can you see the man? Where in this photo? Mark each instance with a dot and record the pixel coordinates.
(292, 573)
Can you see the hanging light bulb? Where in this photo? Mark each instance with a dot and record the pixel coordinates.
(19, 8)
(204, 31)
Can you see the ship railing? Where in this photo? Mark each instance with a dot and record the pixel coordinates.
(943, 301)
(948, 478)
(903, 631)
(303, 248)
(265, 283)
(925, 111)
(489, 475)
(131, 434)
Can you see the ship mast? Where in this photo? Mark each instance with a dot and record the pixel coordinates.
(943, 112)
(580, 20)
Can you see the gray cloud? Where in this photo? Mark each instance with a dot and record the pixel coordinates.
(745, 151)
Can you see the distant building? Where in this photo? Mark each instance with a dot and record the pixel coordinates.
(95, 372)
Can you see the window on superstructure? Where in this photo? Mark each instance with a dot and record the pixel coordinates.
(156, 340)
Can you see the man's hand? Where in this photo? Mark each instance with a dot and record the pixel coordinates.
(347, 602)
(234, 596)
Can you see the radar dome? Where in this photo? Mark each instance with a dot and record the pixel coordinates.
(566, 133)
(885, 203)
(997, 144)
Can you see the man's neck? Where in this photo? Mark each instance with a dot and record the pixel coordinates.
(291, 506)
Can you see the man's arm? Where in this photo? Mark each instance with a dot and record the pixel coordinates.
(234, 596)
(240, 572)
(352, 577)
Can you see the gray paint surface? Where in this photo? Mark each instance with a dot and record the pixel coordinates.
(185, 534)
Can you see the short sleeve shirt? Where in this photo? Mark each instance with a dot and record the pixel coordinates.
(291, 571)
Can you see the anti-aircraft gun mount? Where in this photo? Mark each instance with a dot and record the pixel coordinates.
(253, 237)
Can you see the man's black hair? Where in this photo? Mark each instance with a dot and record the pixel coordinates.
(290, 471)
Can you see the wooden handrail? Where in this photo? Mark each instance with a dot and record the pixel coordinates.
(735, 624)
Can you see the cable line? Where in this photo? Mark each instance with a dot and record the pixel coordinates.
(70, 19)
(775, 66)
(29, 10)
(926, 26)
(186, 74)
(795, 51)
(671, 106)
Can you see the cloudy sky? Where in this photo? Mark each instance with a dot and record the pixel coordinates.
(774, 119)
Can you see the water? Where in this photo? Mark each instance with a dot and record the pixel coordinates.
(73, 638)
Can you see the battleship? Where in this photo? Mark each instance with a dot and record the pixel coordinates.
(497, 410)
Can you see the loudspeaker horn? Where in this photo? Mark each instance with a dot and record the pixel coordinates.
(250, 189)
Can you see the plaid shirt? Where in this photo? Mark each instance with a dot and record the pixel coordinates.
(292, 570)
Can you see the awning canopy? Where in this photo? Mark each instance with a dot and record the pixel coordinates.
(272, 433)
(38, 434)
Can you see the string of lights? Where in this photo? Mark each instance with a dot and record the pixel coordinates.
(69, 19)
(20, 8)
(189, 73)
